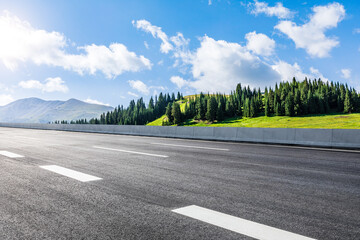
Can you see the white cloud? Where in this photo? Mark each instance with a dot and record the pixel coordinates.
(311, 35)
(217, 66)
(346, 73)
(50, 85)
(93, 101)
(178, 81)
(112, 60)
(288, 71)
(133, 94)
(317, 74)
(31, 84)
(209, 2)
(156, 32)
(5, 99)
(139, 86)
(278, 10)
(356, 30)
(176, 43)
(20, 42)
(146, 45)
(260, 43)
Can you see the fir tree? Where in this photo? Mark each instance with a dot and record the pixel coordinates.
(211, 109)
(347, 103)
(289, 105)
(253, 111)
(176, 113)
(151, 103)
(220, 112)
(168, 113)
(267, 107)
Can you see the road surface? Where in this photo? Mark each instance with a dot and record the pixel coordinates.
(67, 185)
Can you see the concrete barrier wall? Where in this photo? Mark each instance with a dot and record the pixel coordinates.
(338, 138)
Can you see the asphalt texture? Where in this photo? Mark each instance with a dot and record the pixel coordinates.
(311, 192)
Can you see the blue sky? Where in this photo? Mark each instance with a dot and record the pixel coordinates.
(114, 51)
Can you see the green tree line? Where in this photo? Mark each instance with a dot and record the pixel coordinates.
(294, 98)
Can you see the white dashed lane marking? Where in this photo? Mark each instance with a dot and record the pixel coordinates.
(134, 152)
(82, 177)
(187, 146)
(10, 154)
(239, 225)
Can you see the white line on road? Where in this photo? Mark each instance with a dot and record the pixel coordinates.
(126, 151)
(70, 173)
(256, 144)
(10, 154)
(239, 225)
(186, 146)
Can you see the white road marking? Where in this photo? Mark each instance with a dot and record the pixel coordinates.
(10, 154)
(82, 177)
(186, 146)
(239, 225)
(268, 145)
(126, 151)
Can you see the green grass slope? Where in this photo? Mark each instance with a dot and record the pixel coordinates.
(329, 121)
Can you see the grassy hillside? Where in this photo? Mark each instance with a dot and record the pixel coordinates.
(330, 121)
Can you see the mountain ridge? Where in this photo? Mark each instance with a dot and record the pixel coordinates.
(36, 110)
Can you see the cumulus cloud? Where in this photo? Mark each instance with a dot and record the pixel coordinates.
(112, 61)
(93, 101)
(49, 85)
(178, 44)
(311, 35)
(346, 73)
(139, 86)
(5, 99)
(20, 42)
(217, 66)
(260, 43)
(156, 32)
(278, 10)
(287, 71)
(178, 81)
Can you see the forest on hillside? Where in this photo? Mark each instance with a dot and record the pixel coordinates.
(294, 98)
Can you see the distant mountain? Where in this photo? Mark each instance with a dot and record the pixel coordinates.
(35, 110)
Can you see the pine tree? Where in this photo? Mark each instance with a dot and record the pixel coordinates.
(252, 108)
(168, 113)
(289, 105)
(311, 102)
(200, 110)
(211, 109)
(271, 101)
(347, 103)
(151, 103)
(220, 112)
(176, 113)
(267, 107)
(297, 102)
(277, 109)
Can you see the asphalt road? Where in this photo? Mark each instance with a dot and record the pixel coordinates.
(310, 192)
